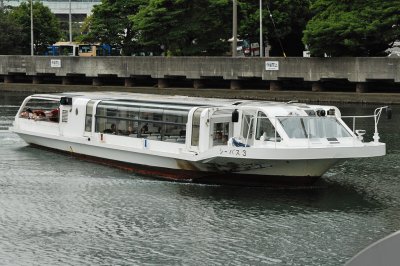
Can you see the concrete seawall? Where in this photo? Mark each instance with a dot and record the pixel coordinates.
(272, 72)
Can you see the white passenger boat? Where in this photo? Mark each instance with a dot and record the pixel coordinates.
(196, 139)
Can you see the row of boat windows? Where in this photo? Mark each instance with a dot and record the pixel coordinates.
(141, 122)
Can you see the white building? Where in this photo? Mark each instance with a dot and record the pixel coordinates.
(61, 7)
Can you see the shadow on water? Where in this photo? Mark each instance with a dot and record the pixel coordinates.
(323, 196)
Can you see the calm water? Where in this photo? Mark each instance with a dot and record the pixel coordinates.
(57, 210)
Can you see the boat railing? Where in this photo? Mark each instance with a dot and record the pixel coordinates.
(376, 116)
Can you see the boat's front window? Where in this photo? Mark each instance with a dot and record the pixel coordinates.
(265, 130)
(247, 127)
(313, 127)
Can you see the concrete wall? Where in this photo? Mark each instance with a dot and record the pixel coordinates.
(309, 69)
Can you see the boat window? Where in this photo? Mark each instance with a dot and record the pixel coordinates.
(161, 124)
(196, 127)
(64, 116)
(89, 115)
(46, 110)
(265, 130)
(175, 125)
(313, 127)
(130, 125)
(223, 113)
(247, 128)
(220, 133)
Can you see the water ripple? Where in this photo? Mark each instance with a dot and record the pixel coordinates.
(58, 210)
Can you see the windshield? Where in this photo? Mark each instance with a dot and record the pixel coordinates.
(313, 127)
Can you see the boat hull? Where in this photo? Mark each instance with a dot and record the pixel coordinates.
(271, 173)
(201, 177)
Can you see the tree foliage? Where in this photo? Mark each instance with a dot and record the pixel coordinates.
(10, 34)
(184, 27)
(46, 28)
(110, 24)
(203, 27)
(352, 28)
(283, 23)
(196, 27)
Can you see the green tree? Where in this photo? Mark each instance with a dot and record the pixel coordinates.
(185, 27)
(45, 26)
(283, 24)
(10, 34)
(110, 24)
(352, 27)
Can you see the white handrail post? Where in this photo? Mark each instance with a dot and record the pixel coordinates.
(275, 132)
(377, 115)
(308, 132)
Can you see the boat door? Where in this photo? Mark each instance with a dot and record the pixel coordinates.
(73, 117)
(221, 129)
(65, 110)
(89, 118)
(197, 128)
(248, 124)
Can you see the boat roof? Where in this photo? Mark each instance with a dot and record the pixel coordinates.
(130, 97)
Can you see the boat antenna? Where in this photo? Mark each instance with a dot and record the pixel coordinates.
(273, 23)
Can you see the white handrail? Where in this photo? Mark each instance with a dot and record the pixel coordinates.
(376, 116)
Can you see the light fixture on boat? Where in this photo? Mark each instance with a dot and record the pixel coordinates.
(235, 116)
(321, 112)
(331, 112)
(360, 134)
(66, 101)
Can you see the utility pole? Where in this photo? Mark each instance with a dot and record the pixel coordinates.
(261, 31)
(70, 23)
(31, 27)
(234, 26)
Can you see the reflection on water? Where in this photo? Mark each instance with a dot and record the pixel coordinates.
(59, 210)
